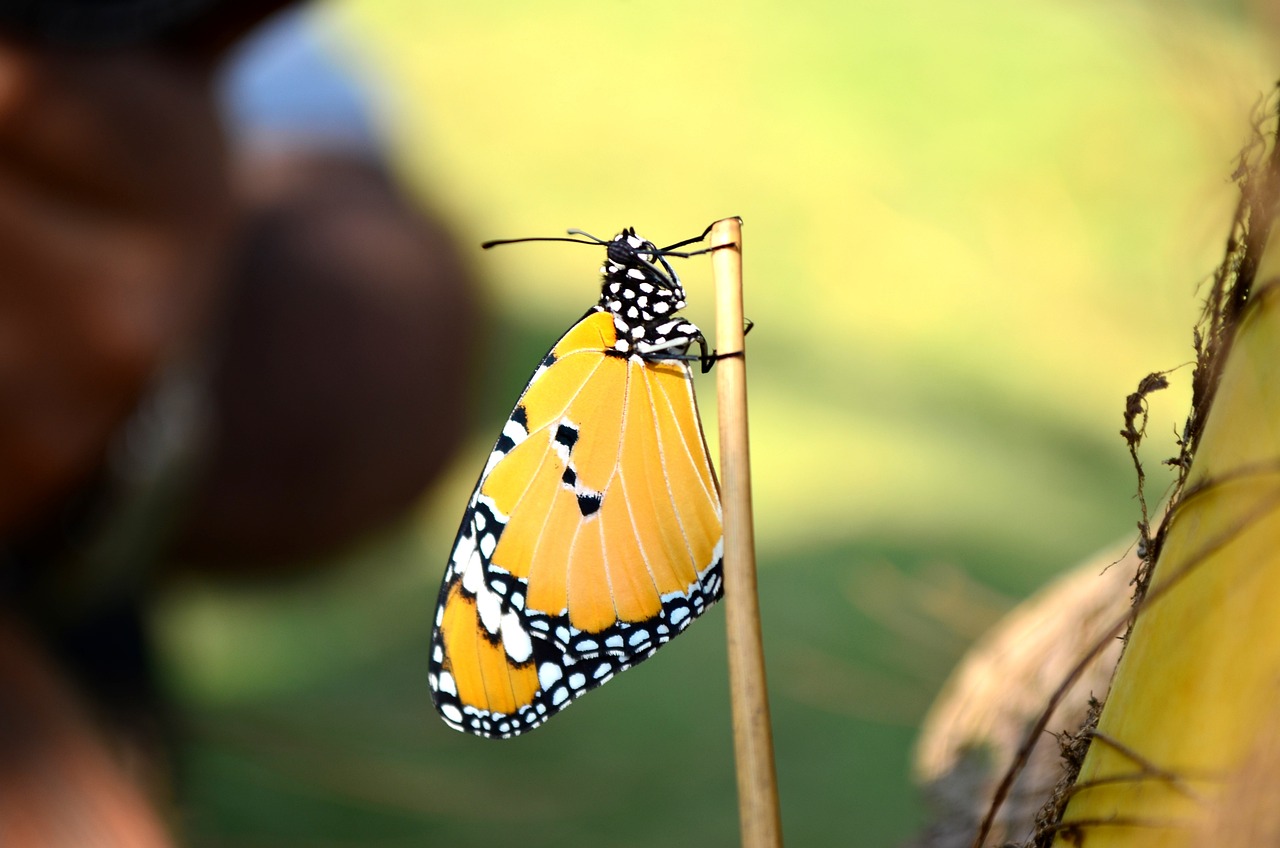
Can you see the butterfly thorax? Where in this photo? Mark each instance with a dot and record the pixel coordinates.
(642, 293)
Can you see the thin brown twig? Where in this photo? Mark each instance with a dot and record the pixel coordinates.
(752, 736)
(1146, 768)
(1174, 782)
(1118, 821)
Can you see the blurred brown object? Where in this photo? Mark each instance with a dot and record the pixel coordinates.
(115, 221)
(997, 692)
(253, 354)
(335, 316)
(198, 29)
(341, 369)
(60, 787)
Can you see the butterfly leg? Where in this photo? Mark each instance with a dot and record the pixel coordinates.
(706, 357)
(710, 359)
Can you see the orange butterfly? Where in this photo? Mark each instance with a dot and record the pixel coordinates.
(594, 533)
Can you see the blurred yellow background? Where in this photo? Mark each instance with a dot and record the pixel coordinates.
(970, 229)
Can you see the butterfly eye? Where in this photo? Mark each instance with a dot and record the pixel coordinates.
(620, 252)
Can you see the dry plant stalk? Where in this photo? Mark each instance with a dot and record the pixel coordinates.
(752, 736)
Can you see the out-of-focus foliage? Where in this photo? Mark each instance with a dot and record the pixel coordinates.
(970, 229)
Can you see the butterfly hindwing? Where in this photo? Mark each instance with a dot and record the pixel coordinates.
(593, 535)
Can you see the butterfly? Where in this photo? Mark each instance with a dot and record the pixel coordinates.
(593, 536)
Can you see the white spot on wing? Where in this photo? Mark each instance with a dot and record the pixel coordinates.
(549, 675)
(717, 554)
(473, 574)
(515, 639)
(463, 550)
(490, 609)
(513, 429)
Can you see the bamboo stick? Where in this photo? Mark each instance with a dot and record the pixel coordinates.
(753, 740)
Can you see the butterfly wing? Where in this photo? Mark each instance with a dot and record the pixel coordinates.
(592, 538)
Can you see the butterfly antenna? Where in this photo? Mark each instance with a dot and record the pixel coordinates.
(496, 242)
(670, 250)
(594, 239)
(693, 240)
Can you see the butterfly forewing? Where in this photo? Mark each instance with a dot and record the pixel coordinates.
(594, 533)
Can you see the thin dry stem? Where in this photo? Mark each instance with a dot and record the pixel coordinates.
(752, 736)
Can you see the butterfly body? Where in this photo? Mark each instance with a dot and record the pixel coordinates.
(594, 533)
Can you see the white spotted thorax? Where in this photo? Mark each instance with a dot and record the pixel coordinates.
(642, 292)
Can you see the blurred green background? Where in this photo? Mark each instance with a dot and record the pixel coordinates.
(970, 229)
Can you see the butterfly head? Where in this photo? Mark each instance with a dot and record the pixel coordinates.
(642, 292)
